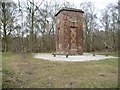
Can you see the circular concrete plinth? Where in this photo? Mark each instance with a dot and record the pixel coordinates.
(76, 58)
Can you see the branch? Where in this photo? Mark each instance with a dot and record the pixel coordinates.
(37, 7)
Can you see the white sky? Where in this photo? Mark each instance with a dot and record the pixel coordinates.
(99, 4)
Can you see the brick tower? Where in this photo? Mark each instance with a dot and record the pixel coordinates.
(69, 31)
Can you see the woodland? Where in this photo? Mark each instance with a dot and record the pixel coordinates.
(30, 27)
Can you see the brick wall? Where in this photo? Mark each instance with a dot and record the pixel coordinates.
(69, 31)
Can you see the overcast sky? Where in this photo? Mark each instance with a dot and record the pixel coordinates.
(99, 4)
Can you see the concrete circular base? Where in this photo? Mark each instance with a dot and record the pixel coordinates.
(73, 58)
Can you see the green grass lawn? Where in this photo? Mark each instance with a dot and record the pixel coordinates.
(0, 70)
(23, 71)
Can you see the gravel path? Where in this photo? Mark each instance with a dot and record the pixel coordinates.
(84, 57)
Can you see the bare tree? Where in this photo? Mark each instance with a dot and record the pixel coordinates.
(89, 24)
(7, 21)
(119, 29)
(109, 23)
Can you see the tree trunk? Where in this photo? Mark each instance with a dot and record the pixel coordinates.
(4, 28)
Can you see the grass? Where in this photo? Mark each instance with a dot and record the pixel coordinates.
(0, 70)
(23, 71)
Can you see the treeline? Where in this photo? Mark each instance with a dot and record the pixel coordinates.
(30, 27)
